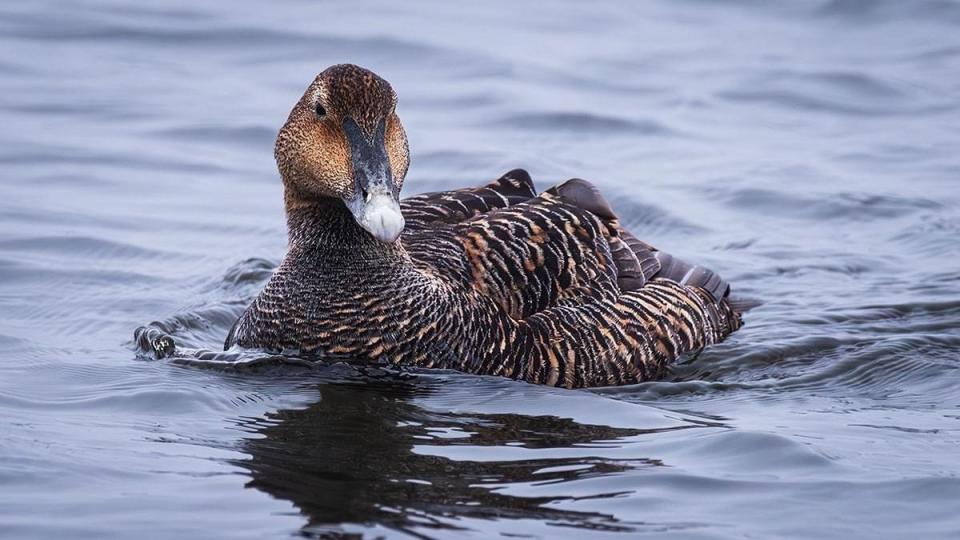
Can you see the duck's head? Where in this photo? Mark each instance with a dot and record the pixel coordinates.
(343, 140)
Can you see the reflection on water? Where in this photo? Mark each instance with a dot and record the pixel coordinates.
(362, 455)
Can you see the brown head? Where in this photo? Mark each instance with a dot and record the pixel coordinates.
(343, 140)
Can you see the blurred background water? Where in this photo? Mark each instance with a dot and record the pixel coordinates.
(808, 150)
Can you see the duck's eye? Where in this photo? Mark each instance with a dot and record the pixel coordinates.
(321, 112)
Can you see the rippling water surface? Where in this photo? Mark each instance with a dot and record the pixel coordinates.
(808, 150)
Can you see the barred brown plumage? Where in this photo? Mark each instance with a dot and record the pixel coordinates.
(493, 280)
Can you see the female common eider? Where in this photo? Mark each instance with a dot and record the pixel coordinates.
(493, 280)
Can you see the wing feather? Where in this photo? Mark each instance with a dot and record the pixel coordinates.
(445, 207)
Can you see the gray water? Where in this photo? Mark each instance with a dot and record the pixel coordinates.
(807, 150)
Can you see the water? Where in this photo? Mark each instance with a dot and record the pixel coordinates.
(807, 150)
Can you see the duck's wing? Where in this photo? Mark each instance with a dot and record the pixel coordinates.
(446, 207)
(566, 243)
(592, 304)
(638, 262)
(526, 257)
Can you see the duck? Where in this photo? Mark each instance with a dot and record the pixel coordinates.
(548, 288)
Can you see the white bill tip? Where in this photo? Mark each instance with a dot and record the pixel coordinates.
(381, 217)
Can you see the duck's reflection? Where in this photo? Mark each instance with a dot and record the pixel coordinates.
(351, 458)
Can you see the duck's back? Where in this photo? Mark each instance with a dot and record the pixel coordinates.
(596, 305)
(565, 242)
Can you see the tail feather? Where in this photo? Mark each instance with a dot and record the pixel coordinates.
(691, 275)
(742, 304)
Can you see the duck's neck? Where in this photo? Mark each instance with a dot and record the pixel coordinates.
(325, 227)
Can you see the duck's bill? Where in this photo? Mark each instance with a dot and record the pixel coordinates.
(375, 205)
(379, 214)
